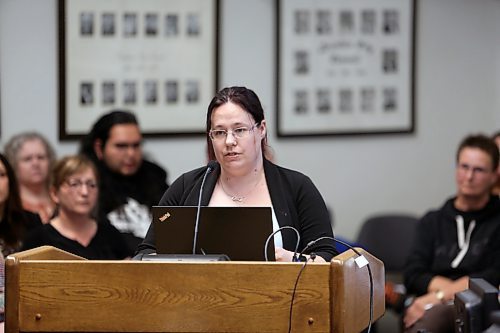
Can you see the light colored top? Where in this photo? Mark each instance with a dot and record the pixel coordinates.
(278, 240)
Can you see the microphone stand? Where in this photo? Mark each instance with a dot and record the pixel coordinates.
(211, 165)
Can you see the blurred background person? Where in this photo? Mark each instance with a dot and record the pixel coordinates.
(461, 240)
(496, 188)
(130, 185)
(2, 293)
(14, 220)
(496, 138)
(75, 190)
(32, 157)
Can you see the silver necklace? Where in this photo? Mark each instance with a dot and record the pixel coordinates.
(236, 198)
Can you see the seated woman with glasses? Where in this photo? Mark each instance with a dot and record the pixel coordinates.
(244, 176)
(74, 229)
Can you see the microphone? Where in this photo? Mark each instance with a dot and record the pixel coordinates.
(210, 167)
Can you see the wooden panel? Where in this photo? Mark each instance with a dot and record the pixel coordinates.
(45, 253)
(12, 274)
(131, 296)
(66, 295)
(351, 289)
(11, 294)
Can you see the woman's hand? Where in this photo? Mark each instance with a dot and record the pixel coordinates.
(284, 255)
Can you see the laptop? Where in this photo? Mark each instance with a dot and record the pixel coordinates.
(238, 232)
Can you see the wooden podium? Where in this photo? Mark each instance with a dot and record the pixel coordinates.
(49, 290)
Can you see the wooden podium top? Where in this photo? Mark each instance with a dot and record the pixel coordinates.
(49, 290)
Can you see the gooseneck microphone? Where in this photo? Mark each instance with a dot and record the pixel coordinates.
(210, 167)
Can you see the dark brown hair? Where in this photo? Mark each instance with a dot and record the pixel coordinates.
(13, 222)
(101, 129)
(483, 143)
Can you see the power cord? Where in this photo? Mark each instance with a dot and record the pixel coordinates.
(293, 295)
(274, 233)
(360, 261)
(295, 258)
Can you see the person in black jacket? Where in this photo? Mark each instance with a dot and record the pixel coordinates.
(459, 241)
(130, 184)
(244, 176)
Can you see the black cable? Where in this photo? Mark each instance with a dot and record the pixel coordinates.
(279, 230)
(311, 243)
(293, 295)
(296, 258)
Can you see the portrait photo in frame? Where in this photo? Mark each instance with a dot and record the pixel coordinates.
(345, 67)
(156, 58)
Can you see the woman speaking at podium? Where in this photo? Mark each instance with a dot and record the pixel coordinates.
(244, 176)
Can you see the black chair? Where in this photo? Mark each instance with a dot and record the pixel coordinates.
(389, 237)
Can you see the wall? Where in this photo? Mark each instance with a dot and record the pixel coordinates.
(458, 75)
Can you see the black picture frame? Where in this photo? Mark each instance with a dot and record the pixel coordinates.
(345, 68)
(158, 59)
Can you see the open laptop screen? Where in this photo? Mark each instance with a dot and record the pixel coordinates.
(238, 232)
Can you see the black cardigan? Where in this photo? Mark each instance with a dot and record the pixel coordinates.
(295, 199)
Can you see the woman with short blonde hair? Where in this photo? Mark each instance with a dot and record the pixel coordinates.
(74, 189)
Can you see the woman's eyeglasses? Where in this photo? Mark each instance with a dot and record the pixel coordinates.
(76, 184)
(238, 133)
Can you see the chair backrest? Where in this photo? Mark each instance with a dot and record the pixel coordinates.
(389, 237)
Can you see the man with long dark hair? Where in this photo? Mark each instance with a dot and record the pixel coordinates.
(130, 185)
